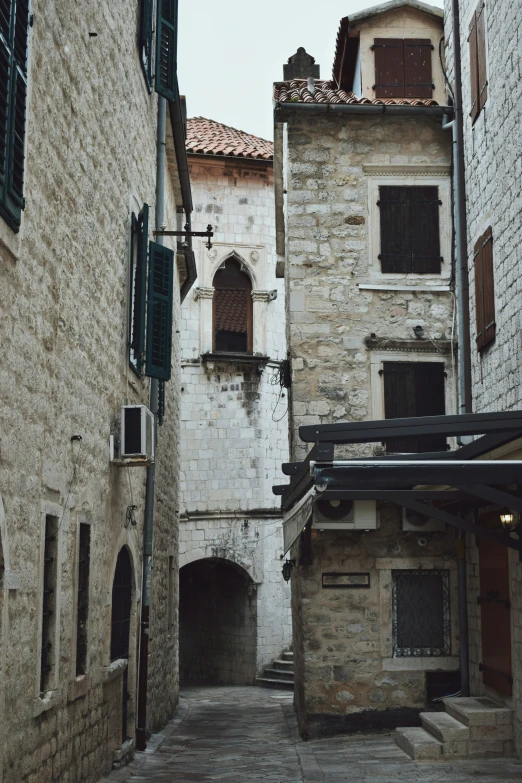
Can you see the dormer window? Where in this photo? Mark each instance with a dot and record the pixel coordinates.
(232, 309)
(403, 68)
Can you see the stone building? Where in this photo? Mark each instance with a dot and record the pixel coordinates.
(78, 156)
(364, 228)
(234, 604)
(490, 56)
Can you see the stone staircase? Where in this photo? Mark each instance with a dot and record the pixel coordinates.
(280, 674)
(470, 728)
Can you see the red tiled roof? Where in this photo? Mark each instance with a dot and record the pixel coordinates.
(207, 137)
(231, 309)
(297, 91)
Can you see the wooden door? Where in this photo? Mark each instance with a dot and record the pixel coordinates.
(495, 611)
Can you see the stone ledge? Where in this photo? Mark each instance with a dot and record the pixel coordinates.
(115, 668)
(78, 687)
(45, 703)
(420, 663)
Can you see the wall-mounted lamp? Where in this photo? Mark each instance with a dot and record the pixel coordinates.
(288, 566)
(509, 520)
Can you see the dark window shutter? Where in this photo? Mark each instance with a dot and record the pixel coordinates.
(146, 39)
(488, 287)
(414, 389)
(159, 312)
(426, 257)
(481, 57)
(389, 67)
(14, 28)
(479, 293)
(417, 68)
(166, 49)
(138, 281)
(473, 67)
(395, 219)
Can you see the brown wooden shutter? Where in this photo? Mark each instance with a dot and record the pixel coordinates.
(479, 293)
(389, 67)
(395, 217)
(488, 287)
(482, 78)
(473, 67)
(417, 68)
(426, 258)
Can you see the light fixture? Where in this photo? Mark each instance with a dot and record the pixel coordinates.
(288, 566)
(509, 520)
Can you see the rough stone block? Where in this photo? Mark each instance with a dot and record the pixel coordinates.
(418, 744)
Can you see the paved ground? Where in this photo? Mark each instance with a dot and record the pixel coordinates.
(249, 735)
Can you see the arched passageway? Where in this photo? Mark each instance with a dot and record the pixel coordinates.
(218, 624)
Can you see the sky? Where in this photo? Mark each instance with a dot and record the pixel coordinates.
(231, 51)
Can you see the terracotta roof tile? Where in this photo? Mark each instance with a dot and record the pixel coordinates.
(297, 91)
(207, 137)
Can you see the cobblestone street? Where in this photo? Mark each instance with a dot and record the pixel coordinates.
(239, 734)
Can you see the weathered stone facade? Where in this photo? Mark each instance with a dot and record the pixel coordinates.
(345, 318)
(234, 427)
(493, 154)
(90, 163)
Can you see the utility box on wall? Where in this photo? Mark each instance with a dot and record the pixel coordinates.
(332, 514)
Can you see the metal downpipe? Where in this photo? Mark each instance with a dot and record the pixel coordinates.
(141, 742)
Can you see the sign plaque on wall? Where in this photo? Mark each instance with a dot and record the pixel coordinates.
(346, 581)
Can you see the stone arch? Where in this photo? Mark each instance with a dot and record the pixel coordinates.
(246, 266)
(218, 623)
(192, 556)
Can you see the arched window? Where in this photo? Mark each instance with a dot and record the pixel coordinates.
(232, 309)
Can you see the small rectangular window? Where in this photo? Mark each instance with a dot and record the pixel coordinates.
(477, 61)
(138, 289)
(414, 389)
(145, 40)
(420, 613)
(14, 29)
(410, 232)
(484, 290)
(49, 604)
(403, 68)
(82, 615)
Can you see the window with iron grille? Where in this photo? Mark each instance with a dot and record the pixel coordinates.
(403, 68)
(410, 232)
(49, 604)
(14, 29)
(420, 613)
(82, 615)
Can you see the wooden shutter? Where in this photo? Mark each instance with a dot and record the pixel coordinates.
(389, 67)
(484, 289)
(138, 299)
(414, 389)
(166, 49)
(146, 40)
(482, 78)
(417, 68)
(395, 218)
(473, 67)
(424, 216)
(5, 79)
(479, 293)
(159, 312)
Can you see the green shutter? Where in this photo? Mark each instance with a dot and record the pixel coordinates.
(166, 49)
(14, 27)
(138, 299)
(159, 312)
(146, 40)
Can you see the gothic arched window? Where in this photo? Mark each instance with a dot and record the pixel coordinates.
(232, 309)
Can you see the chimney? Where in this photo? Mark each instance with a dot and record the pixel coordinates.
(300, 66)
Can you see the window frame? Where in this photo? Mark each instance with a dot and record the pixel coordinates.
(402, 178)
(402, 88)
(419, 651)
(146, 36)
(250, 309)
(478, 61)
(138, 245)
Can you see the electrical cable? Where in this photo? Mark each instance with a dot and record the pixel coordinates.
(448, 85)
(78, 439)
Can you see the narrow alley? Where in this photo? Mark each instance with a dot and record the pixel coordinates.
(234, 734)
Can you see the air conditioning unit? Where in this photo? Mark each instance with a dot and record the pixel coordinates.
(412, 521)
(330, 514)
(137, 434)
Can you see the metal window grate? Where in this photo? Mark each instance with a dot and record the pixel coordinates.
(49, 602)
(420, 613)
(83, 599)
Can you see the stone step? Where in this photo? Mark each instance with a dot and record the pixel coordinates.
(419, 744)
(279, 674)
(288, 656)
(444, 727)
(267, 682)
(283, 665)
(479, 712)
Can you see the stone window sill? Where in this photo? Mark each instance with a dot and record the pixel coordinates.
(46, 702)
(78, 687)
(422, 663)
(253, 360)
(114, 669)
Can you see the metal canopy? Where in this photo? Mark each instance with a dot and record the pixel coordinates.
(405, 478)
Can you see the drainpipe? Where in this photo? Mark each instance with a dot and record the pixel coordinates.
(141, 742)
(465, 397)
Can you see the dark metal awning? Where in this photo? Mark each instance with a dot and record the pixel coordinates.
(406, 479)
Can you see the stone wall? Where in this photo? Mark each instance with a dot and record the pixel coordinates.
(493, 154)
(234, 425)
(90, 162)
